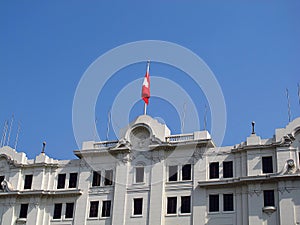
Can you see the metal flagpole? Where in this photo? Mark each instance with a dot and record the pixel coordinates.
(148, 69)
(289, 104)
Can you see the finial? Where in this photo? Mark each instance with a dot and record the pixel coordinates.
(253, 126)
(44, 145)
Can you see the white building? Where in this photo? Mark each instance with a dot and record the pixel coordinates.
(152, 177)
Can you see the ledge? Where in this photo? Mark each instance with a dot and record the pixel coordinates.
(42, 193)
(269, 209)
(248, 179)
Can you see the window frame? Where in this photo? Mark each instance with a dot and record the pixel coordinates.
(227, 169)
(67, 213)
(228, 203)
(96, 213)
(214, 173)
(189, 171)
(28, 181)
(140, 209)
(174, 176)
(213, 204)
(23, 213)
(170, 209)
(73, 180)
(57, 209)
(266, 167)
(269, 201)
(183, 203)
(108, 178)
(106, 209)
(96, 180)
(137, 168)
(59, 184)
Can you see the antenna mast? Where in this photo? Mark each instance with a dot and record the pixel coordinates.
(10, 127)
(108, 124)
(3, 139)
(288, 104)
(17, 136)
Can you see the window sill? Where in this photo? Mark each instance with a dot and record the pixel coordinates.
(269, 209)
(136, 216)
(185, 214)
(105, 218)
(139, 183)
(93, 218)
(171, 215)
(213, 213)
(228, 212)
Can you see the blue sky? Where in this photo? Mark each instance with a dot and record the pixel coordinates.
(252, 47)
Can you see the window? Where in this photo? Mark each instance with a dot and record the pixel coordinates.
(172, 205)
(139, 174)
(228, 202)
(73, 180)
(186, 172)
(1, 179)
(108, 177)
(28, 182)
(137, 206)
(106, 208)
(94, 209)
(213, 203)
(185, 204)
(69, 210)
(23, 211)
(61, 181)
(213, 170)
(57, 211)
(267, 164)
(269, 198)
(96, 179)
(173, 173)
(227, 169)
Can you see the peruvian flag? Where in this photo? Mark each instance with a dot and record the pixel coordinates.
(146, 86)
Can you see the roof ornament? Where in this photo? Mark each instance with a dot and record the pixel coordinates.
(253, 127)
(44, 145)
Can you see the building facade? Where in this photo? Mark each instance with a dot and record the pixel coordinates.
(151, 177)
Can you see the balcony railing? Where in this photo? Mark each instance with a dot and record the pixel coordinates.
(180, 138)
(105, 144)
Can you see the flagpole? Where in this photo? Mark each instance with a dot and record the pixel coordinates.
(145, 108)
(148, 69)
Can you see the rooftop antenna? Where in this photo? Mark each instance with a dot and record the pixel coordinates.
(253, 127)
(10, 127)
(43, 149)
(288, 104)
(17, 136)
(205, 118)
(3, 139)
(108, 124)
(183, 117)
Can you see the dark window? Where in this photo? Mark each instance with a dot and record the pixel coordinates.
(57, 211)
(214, 170)
(73, 180)
(106, 209)
(23, 211)
(108, 177)
(269, 198)
(1, 179)
(69, 210)
(61, 181)
(213, 203)
(228, 202)
(227, 169)
(28, 182)
(186, 172)
(96, 179)
(139, 176)
(185, 204)
(172, 205)
(137, 206)
(173, 173)
(94, 209)
(267, 164)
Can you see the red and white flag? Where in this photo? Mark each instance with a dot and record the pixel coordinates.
(146, 85)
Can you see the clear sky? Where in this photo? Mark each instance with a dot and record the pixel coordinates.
(252, 47)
